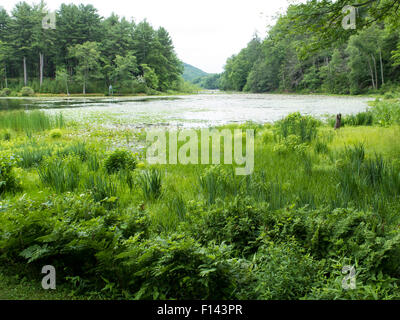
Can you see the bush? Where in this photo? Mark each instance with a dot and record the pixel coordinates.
(55, 134)
(27, 92)
(5, 92)
(289, 144)
(282, 272)
(7, 136)
(178, 267)
(238, 224)
(389, 95)
(119, 160)
(8, 181)
(305, 127)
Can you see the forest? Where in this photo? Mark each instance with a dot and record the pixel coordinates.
(84, 53)
(299, 55)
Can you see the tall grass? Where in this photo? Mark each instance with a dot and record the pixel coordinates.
(32, 155)
(150, 182)
(60, 174)
(30, 121)
(101, 186)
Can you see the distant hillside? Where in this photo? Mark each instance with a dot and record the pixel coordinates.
(191, 73)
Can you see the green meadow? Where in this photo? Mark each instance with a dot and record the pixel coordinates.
(114, 227)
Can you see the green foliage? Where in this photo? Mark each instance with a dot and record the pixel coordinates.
(8, 181)
(360, 119)
(278, 267)
(150, 182)
(56, 134)
(60, 174)
(307, 50)
(304, 127)
(283, 232)
(178, 267)
(5, 92)
(86, 53)
(102, 188)
(119, 160)
(32, 155)
(30, 121)
(386, 113)
(27, 92)
(238, 224)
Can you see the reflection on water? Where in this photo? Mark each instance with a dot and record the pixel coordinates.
(190, 111)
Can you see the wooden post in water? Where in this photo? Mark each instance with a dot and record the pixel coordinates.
(338, 121)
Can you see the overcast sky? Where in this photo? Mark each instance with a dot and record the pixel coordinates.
(205, 33)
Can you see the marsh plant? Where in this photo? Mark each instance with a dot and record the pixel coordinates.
(317, 200)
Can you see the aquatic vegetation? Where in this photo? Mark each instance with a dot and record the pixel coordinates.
(318, 199)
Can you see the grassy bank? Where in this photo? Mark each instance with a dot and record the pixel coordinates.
(116, 228)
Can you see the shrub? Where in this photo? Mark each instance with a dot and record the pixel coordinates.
(389, 95)
(289, 144)
(7, 136)
(386, 113)
(282, 272)
(305, 127)
(27, 92)
(238, 224)
(178, 267)
(5, 92)
(120, 159)
(55, 134)
(8, 181)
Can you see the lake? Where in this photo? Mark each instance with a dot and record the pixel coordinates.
(200, 110)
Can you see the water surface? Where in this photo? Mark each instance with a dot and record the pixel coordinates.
(190, 111)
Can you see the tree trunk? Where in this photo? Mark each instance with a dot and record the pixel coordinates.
(41, 63)
(372, 74)
(376, 73)
(25, 73)
(5, 75)
(66, 84)
(380, 58)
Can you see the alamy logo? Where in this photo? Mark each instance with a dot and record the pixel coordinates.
(49, 20)
(196, 150)
(349, 281)
(349, 21)
(49, 281)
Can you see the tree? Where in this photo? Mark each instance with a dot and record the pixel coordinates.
(87, 56)
(63, 76)
(43, 39)
(126, 69)
(22, 26)
(149, 76)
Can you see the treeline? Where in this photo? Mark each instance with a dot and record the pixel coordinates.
(299, 56)
(85, 52)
